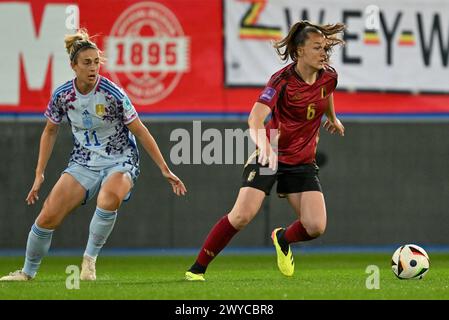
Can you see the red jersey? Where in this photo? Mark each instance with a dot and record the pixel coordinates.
(297, 109)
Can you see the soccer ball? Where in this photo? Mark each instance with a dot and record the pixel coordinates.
(410, 262)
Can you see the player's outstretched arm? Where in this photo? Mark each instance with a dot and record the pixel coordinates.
(146, 139)
(332, 123)
(47, 142)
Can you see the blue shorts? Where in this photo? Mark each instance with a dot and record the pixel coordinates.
(92, 180)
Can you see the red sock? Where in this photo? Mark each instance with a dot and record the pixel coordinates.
(216, 240)
(296, 232)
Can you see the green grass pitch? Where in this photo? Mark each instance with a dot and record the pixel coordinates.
(251, 277)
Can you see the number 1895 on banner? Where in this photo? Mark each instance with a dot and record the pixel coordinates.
(147, 54)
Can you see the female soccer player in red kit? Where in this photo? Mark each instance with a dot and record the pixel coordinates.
(297, 97)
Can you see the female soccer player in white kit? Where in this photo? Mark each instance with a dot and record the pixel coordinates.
(105, 158)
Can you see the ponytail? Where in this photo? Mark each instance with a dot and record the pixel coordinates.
(80, 41)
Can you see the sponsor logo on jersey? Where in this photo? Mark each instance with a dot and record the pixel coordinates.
(87, 120)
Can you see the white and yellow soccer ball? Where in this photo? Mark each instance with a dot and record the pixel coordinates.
(410, 262)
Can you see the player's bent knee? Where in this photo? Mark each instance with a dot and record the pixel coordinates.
(108, 201)
(316, 229)
(48, 221)
(239, 220)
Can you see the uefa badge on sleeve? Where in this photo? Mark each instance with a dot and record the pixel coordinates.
(268, 94)
(127, 104)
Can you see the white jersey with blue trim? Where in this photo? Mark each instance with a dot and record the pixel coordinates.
(98, 121)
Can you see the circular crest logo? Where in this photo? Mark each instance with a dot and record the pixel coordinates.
(147, 52)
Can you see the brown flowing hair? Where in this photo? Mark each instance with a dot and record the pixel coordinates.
(299, 33)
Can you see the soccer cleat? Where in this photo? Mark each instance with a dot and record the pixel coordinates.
(285, 262)
(18, 275)
(88, 269)
(190, 276)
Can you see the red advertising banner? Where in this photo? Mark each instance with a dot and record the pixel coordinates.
(168, 55)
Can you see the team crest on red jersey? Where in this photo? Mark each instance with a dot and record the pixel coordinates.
(296, 97)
